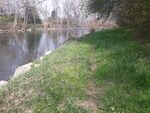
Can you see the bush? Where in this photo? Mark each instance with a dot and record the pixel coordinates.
(129, 13)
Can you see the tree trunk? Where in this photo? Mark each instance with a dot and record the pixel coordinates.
(15, 21)
(34, 19)
(24, 23)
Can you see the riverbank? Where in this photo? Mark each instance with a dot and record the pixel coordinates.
(23, 69)
(104, 71)
(8, 28)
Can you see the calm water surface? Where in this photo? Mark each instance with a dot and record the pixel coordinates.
(17, 49)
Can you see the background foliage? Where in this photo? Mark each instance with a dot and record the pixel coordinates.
(128, 13)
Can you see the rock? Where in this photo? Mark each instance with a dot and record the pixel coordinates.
(22, 69)
(49, 52)
(3, 83)
(25, 68)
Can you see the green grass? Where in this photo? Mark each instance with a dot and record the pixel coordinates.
(117, 65)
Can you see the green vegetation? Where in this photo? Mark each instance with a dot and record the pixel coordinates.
(105, 71)
(128, 13)
(6, 19)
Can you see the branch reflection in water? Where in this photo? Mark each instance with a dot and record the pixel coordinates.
(21, 48)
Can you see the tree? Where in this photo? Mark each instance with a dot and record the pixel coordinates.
(128, 13)
(23, 7)
(31, 15)
(73, 12)
(1, 7)
(30, 11)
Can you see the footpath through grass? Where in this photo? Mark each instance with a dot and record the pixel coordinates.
(104, 72)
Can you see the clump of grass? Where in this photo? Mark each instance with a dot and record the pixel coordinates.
(116, 64)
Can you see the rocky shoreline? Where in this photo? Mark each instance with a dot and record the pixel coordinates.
(23, 69)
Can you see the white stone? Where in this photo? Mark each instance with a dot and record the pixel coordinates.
(22, 69)
(3, 83)
(49, 52)
(25, 68)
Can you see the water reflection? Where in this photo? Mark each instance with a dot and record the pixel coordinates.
(22, 48)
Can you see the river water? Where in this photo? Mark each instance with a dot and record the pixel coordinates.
(17, 49)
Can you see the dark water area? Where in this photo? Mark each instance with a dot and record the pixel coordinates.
(17, 49)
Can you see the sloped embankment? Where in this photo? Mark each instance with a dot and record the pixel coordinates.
(102, 72)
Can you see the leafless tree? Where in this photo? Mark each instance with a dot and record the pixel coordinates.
(56, 9)
(73, 12)
(18, 7)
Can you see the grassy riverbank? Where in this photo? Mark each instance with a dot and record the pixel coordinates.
(102, 72)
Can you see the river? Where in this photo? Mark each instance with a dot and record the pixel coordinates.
(17, 49)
